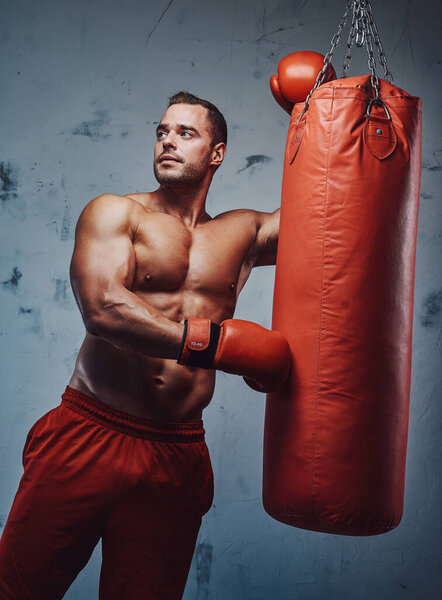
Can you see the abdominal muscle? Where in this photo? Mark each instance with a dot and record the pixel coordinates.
(148, 387)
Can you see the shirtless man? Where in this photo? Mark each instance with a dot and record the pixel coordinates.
(123, 457)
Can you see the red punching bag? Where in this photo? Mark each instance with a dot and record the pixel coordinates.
(336, 434)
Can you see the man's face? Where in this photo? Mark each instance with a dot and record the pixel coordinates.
(183, 148)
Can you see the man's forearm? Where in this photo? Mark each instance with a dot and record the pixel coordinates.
(129, 323)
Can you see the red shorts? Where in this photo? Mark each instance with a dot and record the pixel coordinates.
(93, 472)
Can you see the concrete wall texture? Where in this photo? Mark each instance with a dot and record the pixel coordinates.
(82, 85)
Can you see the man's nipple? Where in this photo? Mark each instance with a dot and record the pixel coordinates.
(148, 276)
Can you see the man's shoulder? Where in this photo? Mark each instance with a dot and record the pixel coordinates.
(111, 211)
(109, 200)
(247, 215)
(113, 203)
(238, 213)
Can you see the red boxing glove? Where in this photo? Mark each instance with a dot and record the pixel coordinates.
(240, 347)
(297, 75)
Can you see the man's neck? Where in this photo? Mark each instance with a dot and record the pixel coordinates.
(188, 203)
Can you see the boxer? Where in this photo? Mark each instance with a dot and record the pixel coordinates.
(123, 457)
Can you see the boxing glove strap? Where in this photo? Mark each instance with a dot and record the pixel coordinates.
(199, 343)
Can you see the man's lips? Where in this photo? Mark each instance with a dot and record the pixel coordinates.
(168, 157)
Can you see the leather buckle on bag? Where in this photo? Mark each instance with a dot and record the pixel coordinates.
(379, 134)
(296, 139)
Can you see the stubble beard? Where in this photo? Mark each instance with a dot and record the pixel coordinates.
(191, 174)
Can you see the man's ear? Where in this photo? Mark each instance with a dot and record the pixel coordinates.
(218, 153)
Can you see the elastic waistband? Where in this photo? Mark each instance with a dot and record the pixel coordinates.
(163, 431)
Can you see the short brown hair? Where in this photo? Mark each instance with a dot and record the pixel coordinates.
(218, 125)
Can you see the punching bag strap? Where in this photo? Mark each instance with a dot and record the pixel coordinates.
(296, 139)
(379, 134)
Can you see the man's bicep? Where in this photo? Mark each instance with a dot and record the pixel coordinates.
(103, 260)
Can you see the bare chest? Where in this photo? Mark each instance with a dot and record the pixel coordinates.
(207, 260)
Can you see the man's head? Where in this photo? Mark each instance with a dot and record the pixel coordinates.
(191, 141)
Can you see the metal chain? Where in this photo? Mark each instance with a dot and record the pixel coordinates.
(363, 31)
(382, 56)
(360, 29)
(328, 56)
(350, 43)
(369, 46)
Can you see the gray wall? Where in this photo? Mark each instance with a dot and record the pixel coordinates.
(82, 84)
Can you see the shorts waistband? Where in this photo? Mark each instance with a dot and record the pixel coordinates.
(163, 431)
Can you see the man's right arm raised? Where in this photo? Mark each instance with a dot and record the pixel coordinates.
(102, 270)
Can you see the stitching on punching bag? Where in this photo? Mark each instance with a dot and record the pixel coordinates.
(322, 297)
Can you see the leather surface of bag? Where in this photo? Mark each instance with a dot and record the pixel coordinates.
(336, 434)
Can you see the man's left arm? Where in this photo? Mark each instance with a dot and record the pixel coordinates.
(266, 242)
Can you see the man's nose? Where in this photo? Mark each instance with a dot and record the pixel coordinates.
(169, 141)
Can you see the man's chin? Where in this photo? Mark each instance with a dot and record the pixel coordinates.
(165, 176)
(174, 179)
(170, 179)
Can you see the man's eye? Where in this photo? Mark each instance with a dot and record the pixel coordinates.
(160, 134)
(186, 133)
